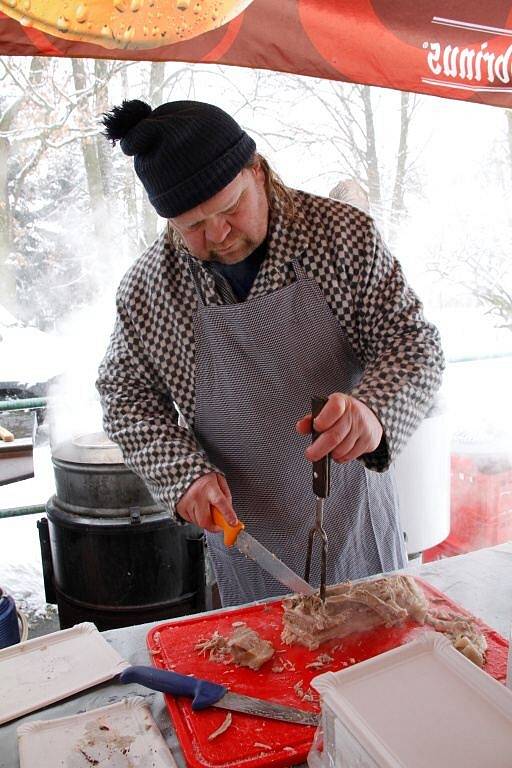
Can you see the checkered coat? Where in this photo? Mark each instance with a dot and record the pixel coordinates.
(149, 367)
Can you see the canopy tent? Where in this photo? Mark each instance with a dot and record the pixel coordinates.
(459, 49)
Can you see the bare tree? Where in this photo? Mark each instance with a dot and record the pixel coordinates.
(156, 86)
(483, 275)
(51, 114)
(27, 86)
(7, 272)
(399, 187)
(356, 139)
(82, 80)
(371, 163)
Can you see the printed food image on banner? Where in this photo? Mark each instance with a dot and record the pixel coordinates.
(124, 24)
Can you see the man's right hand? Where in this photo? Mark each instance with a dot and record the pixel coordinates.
(195, 504)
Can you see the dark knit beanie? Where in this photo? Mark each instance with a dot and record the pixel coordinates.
(184, 151)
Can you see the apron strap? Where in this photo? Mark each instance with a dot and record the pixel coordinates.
(300, 273)
(227, 294)
(221, 283)
(193, 269)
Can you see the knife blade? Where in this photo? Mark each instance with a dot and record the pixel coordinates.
(248, 545)
(207, 694)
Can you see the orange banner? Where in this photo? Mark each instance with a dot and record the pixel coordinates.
(451, 49)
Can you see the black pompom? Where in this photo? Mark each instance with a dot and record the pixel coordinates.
(120, 120)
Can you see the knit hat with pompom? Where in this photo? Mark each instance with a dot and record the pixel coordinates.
(184, 151)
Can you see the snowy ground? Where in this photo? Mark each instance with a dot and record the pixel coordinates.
(20, 557)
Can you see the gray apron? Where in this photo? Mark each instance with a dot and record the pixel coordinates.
(257, 365)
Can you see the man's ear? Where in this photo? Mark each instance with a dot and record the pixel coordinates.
(174, 236)
(256, 167)
(257, 170)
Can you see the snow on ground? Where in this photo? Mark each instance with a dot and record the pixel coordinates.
(20, 557)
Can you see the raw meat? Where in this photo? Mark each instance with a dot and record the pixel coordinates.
(464, 636)
(351, 608)
(244, 647)
(390, 600)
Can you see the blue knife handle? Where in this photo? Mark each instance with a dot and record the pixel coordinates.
(203, 693)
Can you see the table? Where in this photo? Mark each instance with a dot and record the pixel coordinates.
(16, 461)
(480, 581)
(16, 457)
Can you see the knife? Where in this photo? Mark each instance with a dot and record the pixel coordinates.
(206, 694)
(248, 545)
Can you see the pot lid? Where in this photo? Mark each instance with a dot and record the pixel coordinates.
(93, 448)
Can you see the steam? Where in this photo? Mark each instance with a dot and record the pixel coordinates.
(74, 406)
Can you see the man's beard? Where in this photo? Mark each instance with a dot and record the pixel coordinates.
(245, 246)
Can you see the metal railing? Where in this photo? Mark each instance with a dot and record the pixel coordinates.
(25, 404)
(35, 509)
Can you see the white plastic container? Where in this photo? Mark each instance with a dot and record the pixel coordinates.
(47, 669)
(121, 735)
(422, 705)
(422, 473)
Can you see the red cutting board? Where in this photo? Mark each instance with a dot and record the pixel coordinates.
(172, 646)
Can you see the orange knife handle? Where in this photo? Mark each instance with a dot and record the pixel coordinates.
(230, 531)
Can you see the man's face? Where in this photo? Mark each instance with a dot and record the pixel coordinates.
(231, 224)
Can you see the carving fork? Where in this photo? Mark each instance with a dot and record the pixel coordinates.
(321, 487)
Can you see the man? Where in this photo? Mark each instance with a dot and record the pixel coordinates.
(255, 298)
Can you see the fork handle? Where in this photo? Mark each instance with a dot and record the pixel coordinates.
(321, 468)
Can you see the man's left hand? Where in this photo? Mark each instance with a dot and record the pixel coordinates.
(347, 427)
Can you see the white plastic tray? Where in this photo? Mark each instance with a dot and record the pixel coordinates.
(421, 705)
(122, 735)
(39, 672)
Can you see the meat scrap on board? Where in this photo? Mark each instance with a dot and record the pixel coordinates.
(243, 647)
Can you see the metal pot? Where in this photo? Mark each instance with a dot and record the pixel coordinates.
(111, 555)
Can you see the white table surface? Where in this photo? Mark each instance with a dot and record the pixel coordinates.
(480, 581)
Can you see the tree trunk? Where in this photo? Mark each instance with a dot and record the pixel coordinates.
(7, 272)
(150, 218)
(91, 164)
(397, 203)
(102, 73)
(8, 295)
(105, 157)
(371, 161)
(129, 185)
